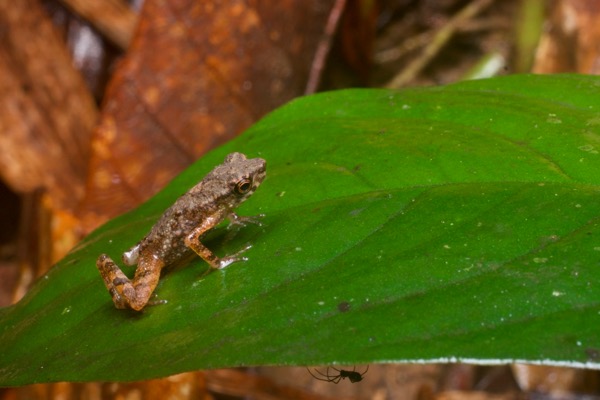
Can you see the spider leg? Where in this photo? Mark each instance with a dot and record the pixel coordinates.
(334, 378)
(340, 374)
(326, 379)
(326, 374)
(329, 376)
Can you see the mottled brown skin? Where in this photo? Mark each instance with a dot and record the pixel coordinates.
(177, 233)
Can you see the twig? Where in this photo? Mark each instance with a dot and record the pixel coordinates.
(410, 44)
(318, 64)
(439, 40)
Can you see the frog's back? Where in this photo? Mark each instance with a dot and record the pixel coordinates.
(212, 199)
(166, 238)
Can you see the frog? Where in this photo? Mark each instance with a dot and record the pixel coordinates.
(177, 233)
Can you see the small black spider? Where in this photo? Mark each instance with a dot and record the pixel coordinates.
(353, 376)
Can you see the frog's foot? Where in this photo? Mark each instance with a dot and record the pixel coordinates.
(156, 301)
(225, 261)
(238, 220)
(124, 292)
(220, 263)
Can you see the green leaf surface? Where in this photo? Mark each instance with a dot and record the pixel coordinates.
(457, 223)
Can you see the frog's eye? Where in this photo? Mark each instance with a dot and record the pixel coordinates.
(243, 186)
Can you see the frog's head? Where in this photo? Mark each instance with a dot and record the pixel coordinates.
(246, 174)
(232, 182)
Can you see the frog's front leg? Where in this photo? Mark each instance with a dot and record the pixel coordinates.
(192, 240)
(127, 293)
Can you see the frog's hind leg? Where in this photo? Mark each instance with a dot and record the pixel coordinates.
(128, 293)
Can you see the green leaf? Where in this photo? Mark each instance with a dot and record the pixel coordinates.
(431, 224)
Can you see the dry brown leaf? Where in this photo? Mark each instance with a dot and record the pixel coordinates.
(474, 395)
(555, 381)
(47, 112)
(191, 385)
(239, 384)
(196, 75)
(46, 120)
(570, 44)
